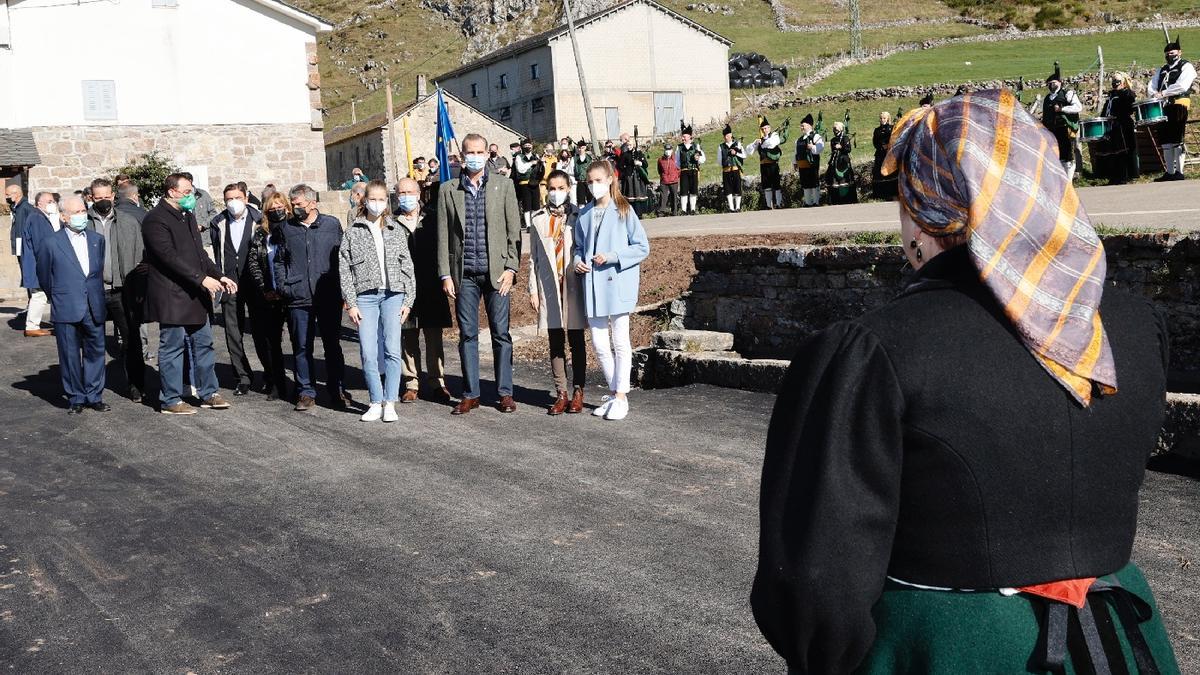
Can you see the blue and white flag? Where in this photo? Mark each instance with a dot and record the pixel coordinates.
(445, 136)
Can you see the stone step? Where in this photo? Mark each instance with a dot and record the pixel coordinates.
(694, 340)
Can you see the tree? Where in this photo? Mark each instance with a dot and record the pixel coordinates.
(148, 172)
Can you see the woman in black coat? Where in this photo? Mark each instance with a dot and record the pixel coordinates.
(882, 187)
(430, 314)
(951, 482)
(269, 312)
(1116, 157)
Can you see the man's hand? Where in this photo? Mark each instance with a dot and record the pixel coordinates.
(229, 285)
(271, 296)
(211, 285)
(355, 315)
(404, 314)
(534, 302)
(448, 288)
(582, 268)
(599, 259)
(506, 282)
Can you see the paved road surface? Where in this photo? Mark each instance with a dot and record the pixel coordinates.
(1141, 205)
(262, 540)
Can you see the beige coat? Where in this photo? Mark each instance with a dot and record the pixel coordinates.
(555, 309)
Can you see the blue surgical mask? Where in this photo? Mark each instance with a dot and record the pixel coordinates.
(476, 163)
(409, 203)
(78, 222)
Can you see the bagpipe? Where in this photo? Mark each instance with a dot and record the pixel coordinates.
(640, 171)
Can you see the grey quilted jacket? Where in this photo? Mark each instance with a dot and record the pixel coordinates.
(358, 261)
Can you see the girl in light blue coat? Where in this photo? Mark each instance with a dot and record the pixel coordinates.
(610, 245)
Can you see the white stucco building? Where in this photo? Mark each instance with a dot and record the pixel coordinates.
(645, 65)
(227, 89)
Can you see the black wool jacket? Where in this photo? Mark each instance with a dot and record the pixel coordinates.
(923, 441)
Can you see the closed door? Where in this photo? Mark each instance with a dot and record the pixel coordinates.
(612, 121)
(668, 110)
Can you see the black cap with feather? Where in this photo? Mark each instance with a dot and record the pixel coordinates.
(1170, 46)
(1056, 76)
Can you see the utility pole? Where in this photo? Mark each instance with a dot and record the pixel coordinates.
(856, 46)
(353, 112)
(391, 122)
(1100, 85)
(587, 102)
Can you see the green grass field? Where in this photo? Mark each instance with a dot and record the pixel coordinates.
(1033, 59)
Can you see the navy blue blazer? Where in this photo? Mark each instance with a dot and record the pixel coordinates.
(73, 295)
(19, 213)
(35, 231)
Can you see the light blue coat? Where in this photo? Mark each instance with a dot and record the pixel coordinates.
(611, 288)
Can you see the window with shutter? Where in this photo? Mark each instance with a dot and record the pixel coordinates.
(164, 3)
(99, 100)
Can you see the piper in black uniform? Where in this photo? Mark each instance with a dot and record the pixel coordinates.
(1060, 114)
(927, 100)
(689, 156)
(580, 162)
(1116, 157)
(731, 155)
(631, 167)
(1171, 84)
(882, 187)
(527, 176)
(808, 162)
(770, 150)
(839, 176)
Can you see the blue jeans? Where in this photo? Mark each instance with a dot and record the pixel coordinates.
(303, 324)
(379, 334)
(475, 287)
(171, 339)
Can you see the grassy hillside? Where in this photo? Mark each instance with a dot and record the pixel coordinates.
(809, 12)
(1059, 13)
(1033, 59)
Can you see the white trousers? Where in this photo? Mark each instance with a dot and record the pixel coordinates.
(610, 339)
(36, 310)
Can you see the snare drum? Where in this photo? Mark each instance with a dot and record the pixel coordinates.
(1149, 112)
(1097, 128)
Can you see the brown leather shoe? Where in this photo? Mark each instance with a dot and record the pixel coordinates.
(506, 404)
(215, 402)
(38, 332)
(576, 405)
(465, 406)
(560, 404)
(409, 396)
(305, 403)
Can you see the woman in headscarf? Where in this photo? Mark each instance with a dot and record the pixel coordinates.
(1116, 157)
(951, 482)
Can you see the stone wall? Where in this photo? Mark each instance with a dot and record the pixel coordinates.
(772, 298)
(284, 154)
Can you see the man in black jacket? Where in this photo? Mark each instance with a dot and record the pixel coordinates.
(231, 232)
(182, 284)
(307, 272)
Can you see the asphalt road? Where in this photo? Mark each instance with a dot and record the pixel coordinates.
(1143, 205)
(262, 540)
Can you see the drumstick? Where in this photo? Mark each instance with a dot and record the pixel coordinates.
(1157, 150)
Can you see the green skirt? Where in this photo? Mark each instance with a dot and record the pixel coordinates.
(929, 631)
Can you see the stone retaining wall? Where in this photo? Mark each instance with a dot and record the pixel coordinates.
(772, 298)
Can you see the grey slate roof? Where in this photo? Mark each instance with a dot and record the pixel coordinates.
(17, 148)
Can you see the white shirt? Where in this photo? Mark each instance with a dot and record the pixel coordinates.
(377, 235)
(237, 230)
(1187, 75)
(80, 244)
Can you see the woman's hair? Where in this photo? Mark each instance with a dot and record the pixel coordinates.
(269, 203)
(375, 184)
(614, 190)
(558, 173)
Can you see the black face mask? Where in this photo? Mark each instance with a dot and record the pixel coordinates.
(492, 154)
(299, 212)
(9, 201)
(103, 207)
(276, 215)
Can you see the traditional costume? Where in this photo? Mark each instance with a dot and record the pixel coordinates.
(1060, 114)
(1116, 156)
(1173, 82)
(882, 187)
(839, 176)
(689, 157)
(808, 162)
(580, 162)
(731, 155)
(635, 182)
(927, 100)
(770, 150)
(950, 483)
(527, 173)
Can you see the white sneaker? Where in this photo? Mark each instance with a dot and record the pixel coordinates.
(617, 409)
(605, 403)
(373, 413)
(389, 412)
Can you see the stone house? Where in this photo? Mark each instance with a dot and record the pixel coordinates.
(227, 89)
(645, 65)
(364, 144)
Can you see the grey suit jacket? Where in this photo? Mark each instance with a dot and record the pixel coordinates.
(503, 228)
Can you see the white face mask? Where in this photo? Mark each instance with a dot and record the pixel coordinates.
(599, 190)
(236, 206)
(51, 209)
(557, 197)
(376, 206)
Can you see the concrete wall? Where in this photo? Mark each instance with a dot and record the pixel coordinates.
(518, 99)
(773, 298)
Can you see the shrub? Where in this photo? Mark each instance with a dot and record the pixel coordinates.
(148, 172)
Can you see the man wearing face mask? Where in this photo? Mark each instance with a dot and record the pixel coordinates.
(20, 207)
(419, 171)
(307, 271)
(231, 232)
(70, 267)
(205, 209)
(123, 253)
(668, 181)
(40, 224)
(497, 163)
(580, 162)
(479, 252)
(356, 176)
(1060, 114)
(527, 174)
(181, 286)
(430, 314)
(357, 193)
(1171, 84)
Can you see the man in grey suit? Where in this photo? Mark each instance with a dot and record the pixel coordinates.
(479, 252)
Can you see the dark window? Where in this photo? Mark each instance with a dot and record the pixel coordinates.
(474, 91)
(505, 114)
(504, 81)
(539, 104)
(534, 71)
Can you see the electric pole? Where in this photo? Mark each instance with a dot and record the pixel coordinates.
(856, 46)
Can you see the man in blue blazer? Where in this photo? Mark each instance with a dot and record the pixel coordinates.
(70, 267)
(33, 232)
